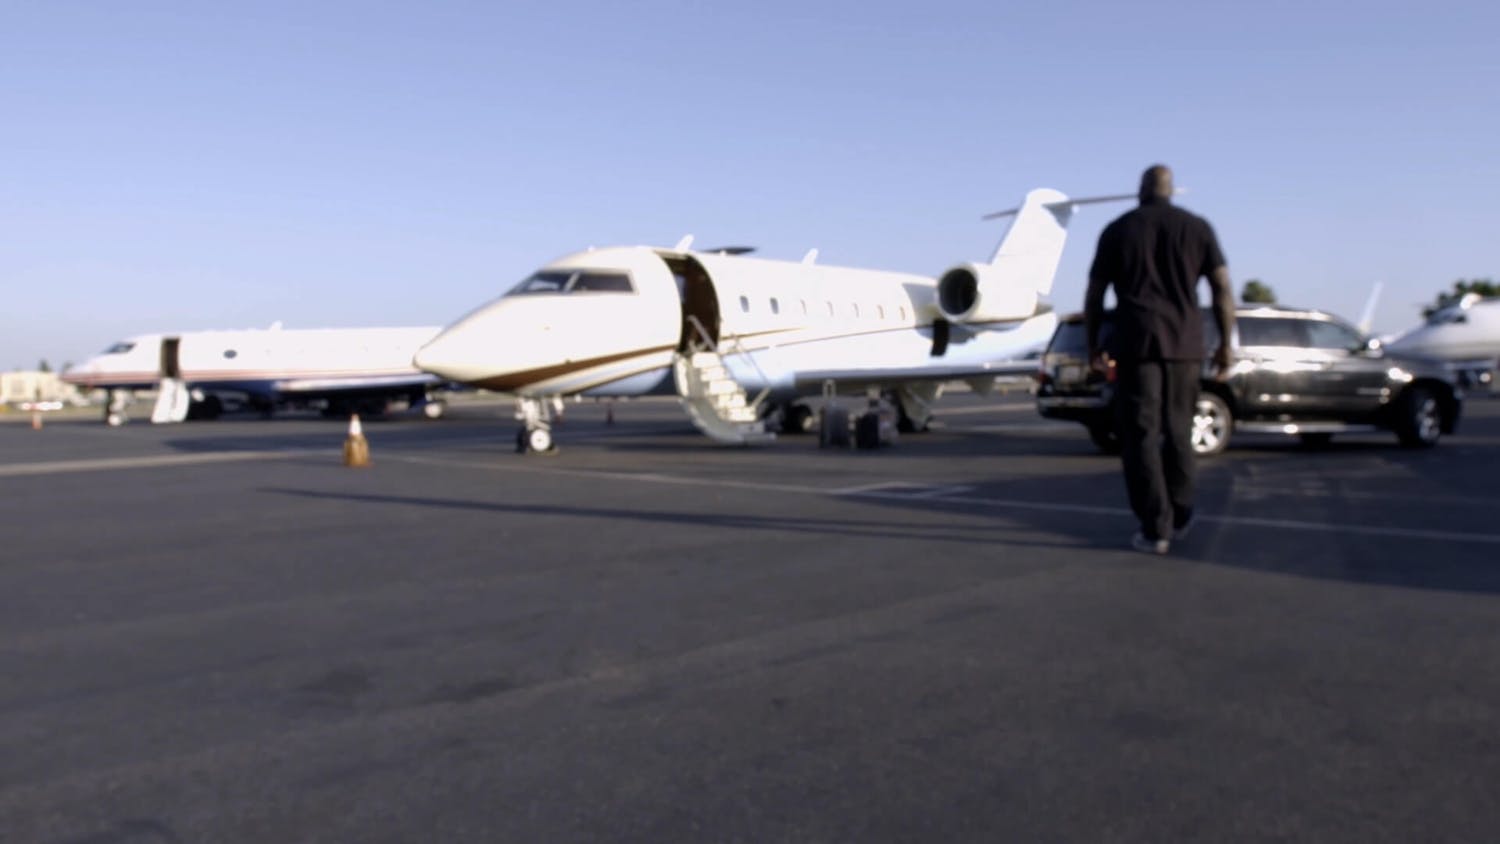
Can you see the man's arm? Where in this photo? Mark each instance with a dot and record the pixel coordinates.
(1093, 299)
(1093, 318)
(1223, 293)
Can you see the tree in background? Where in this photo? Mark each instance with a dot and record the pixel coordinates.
(42, 366)
(1482, 286)
(1257, 292)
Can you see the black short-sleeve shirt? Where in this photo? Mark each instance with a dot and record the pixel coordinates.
(1153, 257)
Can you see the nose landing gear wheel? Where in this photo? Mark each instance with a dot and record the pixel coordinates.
(536, 440)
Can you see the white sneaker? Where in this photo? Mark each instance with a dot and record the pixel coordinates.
(1149, 546)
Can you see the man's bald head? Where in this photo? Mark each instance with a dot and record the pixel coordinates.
(1156, 184)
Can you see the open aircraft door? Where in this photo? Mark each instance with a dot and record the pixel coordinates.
(170, 365)
(700, 303)
(172, 395)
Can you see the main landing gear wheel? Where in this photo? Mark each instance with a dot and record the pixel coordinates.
(434, 409)
(798, 419)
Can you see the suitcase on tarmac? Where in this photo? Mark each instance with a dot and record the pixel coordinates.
(867, 430)
(833, 429)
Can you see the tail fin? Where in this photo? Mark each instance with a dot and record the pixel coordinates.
(1367, 318)
(1028, 254)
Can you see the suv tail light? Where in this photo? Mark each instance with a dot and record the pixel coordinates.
(1042, 378)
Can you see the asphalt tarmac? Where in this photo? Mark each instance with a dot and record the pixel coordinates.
(215, 632)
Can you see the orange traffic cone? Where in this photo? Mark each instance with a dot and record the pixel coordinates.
(36, 420)
(356, 447)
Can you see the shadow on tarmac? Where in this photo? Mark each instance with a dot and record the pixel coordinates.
(854, 528)
(1231, 533)
(1342, 493)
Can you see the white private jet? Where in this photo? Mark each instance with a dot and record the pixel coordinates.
(1465, 336)
(346, 369)
(741, 338)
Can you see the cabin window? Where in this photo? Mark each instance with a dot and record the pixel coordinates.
(745, 304)
(855, 307)
(902, 309)
(830, 309)
(230, 354)
(804, 306)
(775, 306)
(880, 311)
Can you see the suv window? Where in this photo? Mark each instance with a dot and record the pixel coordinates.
(1072, 338)
(1332, 335)
(1272, 331)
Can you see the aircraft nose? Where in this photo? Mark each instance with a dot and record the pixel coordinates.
(449, 355)
(433, 357)
(78, 372)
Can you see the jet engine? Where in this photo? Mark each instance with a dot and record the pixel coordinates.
(971, 293)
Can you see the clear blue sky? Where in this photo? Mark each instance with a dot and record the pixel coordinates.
(179, 166)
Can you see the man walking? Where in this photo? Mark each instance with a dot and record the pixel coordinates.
(1154, 256)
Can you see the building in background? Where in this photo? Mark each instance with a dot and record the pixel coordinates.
(27, 386)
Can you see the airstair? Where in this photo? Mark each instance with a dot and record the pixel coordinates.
(172, 400)
(718, 404)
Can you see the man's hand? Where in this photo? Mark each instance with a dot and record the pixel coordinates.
(1223, 360)
(1099, 361)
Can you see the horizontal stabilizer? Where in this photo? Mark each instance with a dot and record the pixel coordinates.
(1087, 200)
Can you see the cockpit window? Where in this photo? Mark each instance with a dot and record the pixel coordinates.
(1448, 315)
(543, 283)
(601, 283)
(119, 348)
(552, 281)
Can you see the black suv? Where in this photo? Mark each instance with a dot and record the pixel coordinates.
(1295, 372)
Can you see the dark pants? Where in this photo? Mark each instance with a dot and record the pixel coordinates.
(1154, 400)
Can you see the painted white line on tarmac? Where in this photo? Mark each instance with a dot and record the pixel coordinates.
(58, 467)
(903, 489)
(921, 492)
(1239, 521)
(1310, 492)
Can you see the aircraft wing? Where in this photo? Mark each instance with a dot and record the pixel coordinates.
(890, 376)
(371, 382)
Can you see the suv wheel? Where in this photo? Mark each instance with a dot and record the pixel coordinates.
(1418, 423)
(1212, 423)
